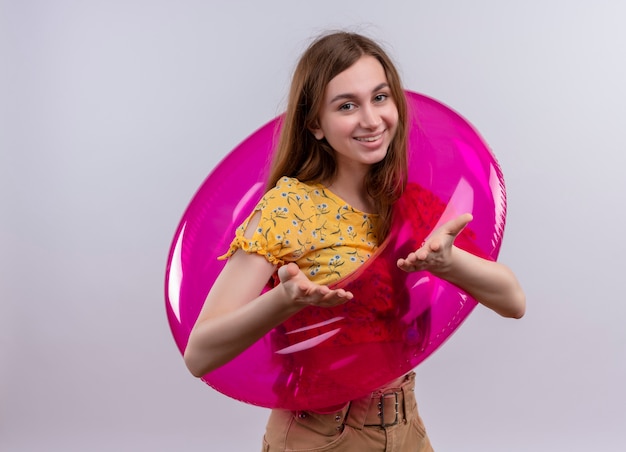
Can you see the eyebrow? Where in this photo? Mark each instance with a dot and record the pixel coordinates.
(352, 96)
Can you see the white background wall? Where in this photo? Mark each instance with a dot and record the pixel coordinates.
(113, 113)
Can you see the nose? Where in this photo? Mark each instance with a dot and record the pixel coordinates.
(369, 119)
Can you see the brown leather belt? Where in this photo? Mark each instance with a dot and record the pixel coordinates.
(387, 412)
(384, 408)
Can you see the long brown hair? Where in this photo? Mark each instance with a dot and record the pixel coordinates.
(300, 155)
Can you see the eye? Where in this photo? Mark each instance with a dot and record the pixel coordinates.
(381, 97)
(347, 106)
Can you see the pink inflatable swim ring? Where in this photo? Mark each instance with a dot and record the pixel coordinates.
(323, 357)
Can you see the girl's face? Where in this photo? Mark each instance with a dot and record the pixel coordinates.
(358, 117)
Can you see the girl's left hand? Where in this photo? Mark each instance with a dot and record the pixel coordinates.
(435, 254)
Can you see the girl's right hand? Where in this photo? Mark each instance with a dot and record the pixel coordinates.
(302, 291)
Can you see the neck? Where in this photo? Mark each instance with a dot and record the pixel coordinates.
(351, 188)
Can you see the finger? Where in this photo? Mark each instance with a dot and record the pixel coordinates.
(341, 293)
(403, 264)
(336, 297)
(324, 291)
(416, 256)
(410, 260)
(287, 272)
(456, 225)
(422, 253)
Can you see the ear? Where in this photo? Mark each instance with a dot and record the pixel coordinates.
(317, 131)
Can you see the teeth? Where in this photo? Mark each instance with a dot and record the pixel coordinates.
(370, 139)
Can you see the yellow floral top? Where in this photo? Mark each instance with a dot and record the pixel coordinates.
(311, 226)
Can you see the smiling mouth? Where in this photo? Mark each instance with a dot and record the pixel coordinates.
(369, 139)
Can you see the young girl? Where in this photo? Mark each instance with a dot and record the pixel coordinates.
(343, 148)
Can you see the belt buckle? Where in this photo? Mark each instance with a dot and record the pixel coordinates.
(381, 405)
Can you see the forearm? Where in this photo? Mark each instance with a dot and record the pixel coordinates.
(218, 339)
(492, 284)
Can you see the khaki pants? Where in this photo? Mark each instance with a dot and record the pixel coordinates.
(387, 420)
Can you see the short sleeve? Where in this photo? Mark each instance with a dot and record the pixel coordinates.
(285, 212)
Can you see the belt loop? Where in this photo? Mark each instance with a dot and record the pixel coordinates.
(357, 412)
(408, 399)
(406, 392)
